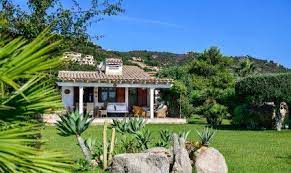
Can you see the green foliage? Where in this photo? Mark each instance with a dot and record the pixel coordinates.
(186, 106)
(143, 139)
(133, 139)
(165, 138)
(73, 123)
(240, 116)
(91, 145)
(82, 165)
(131, 126)
(184, 134)
(214, 113)
(245, 68)
(205, 136)
(265, 88)
(69, 22)
(127, 144)
(18, 153)
(206, 77)
(26, 87)
(26, 90)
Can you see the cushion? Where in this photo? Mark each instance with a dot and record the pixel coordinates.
(120, 107)
(110, 108)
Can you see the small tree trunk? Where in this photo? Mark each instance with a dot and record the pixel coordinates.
(105, 146)
(85, 150)
(111, 145)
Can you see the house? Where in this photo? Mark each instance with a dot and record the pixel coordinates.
(78, 58)
(113, 87)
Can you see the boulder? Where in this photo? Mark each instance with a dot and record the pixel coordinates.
(155, 160)
(161, 150)
(181, 160)
(140, 163)
(210, 160)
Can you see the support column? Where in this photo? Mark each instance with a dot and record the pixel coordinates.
(126, 97)
(81, 104)
(152, 91)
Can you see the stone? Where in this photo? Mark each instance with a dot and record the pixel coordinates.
(155, 160)
(281, 116)
(161, 150)
(140, 163)
(210, 160)
(181, 160)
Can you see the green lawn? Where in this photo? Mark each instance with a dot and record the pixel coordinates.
(245, 151)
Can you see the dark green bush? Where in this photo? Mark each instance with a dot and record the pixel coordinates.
(253, 116)
(265, 88)
(214, 113)
(244, 117)
(254, 92)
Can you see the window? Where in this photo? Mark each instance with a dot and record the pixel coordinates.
(107, 94)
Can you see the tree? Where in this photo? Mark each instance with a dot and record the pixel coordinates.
(68, 22)
(208, 77)
(75, 124)
(245, 68)
(26, 90)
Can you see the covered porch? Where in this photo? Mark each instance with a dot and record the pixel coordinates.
(107, 100)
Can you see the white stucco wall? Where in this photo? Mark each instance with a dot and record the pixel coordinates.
(68, 99)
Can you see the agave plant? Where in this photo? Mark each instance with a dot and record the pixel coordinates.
(121, 126)
(165, 138)
(131, 126)
(184, 134)
(205, 136)
(135, 125)
(143, 139)
(26, 89)
(74, 123)
(91, 144)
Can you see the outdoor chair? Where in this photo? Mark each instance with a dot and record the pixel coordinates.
(162, 112)
(138, 111)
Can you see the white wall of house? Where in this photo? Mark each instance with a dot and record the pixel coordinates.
(68, 99)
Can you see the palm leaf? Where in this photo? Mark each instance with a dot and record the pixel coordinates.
(18, 155)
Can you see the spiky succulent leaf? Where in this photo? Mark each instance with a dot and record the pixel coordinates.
(73, 123)
(205, 136)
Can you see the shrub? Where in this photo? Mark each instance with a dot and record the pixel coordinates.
(265, 88)
(253, 116)
(214, 113)
(254, 92)
(239, 115)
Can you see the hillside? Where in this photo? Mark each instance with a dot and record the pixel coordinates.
(163, 59)
(166, 59)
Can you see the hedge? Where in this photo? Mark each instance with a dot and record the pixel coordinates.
(265, 88)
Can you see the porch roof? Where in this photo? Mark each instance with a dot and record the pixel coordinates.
(130, 75)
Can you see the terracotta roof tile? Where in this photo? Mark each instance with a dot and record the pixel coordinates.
(130, 74)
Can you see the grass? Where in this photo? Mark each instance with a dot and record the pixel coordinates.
(244, 150)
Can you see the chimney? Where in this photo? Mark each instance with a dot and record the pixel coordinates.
(113, 66)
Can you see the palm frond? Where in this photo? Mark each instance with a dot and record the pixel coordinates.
(18, 155)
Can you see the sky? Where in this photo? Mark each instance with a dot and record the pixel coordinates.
(260, 28)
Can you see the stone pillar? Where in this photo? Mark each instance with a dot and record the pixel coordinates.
(81, 104)
(152, 91)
